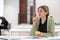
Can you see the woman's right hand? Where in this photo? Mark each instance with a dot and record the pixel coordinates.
(34, 20)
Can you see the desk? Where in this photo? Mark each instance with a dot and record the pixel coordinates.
(25, 30)
(20, 32)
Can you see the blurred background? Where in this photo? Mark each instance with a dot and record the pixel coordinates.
(19, 14)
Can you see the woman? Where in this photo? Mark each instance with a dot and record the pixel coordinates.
(42, 24)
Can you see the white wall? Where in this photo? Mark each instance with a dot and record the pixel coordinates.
(53, 6)
(11, 10)
(1, 7)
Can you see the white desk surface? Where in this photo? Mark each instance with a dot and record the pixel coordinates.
(29, 38)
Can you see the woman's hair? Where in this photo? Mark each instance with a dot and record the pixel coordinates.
(45, 8)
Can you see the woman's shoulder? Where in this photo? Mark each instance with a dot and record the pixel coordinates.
(50, 18)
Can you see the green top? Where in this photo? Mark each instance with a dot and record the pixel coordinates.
(50, 28)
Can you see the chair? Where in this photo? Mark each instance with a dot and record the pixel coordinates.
(4, 24)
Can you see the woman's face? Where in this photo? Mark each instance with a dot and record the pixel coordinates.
(42, 13)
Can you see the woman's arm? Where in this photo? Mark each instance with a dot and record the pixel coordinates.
(35, 26)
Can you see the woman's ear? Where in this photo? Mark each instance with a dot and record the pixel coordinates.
(46, 13)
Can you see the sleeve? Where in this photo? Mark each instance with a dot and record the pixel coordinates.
(34, 28)
(50, 28)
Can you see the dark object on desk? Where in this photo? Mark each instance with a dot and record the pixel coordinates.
(4, 24)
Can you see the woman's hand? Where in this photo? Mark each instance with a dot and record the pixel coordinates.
(34, 20)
